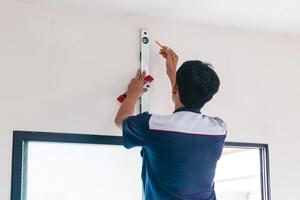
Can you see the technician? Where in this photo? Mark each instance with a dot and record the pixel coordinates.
(180, 151)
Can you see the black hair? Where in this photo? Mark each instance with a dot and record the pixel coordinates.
(197, 82)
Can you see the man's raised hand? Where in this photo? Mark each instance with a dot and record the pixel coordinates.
(171, 62)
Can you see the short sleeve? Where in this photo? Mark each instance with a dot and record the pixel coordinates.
(136, 130)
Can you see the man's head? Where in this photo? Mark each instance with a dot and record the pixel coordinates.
(196, 83)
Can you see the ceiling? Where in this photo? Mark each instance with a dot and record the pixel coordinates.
(270, 15)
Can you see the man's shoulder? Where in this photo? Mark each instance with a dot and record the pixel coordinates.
(189, 115)
(216, 120)
(145, 116)
(188, 122)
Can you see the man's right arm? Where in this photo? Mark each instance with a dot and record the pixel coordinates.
(171, 63)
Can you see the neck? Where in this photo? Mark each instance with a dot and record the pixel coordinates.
(178, 105)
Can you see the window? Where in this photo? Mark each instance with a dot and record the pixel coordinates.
(74, 167)
(238, 175)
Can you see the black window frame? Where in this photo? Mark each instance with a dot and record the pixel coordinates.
(21, 138)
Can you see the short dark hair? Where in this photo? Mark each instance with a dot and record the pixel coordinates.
(197, 83)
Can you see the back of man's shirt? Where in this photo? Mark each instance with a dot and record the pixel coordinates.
(180, 153)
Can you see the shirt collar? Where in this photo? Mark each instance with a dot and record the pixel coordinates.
(195, 110)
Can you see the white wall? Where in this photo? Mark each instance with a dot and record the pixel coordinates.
(60, 70)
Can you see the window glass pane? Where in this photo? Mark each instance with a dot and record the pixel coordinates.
(238, 175)
(66, 171)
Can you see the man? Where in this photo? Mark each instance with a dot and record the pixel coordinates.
(180, 151)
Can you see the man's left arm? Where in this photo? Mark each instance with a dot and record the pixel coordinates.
(135, 128)
(135, 90)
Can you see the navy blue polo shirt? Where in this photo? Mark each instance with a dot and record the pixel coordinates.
(180, 153)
